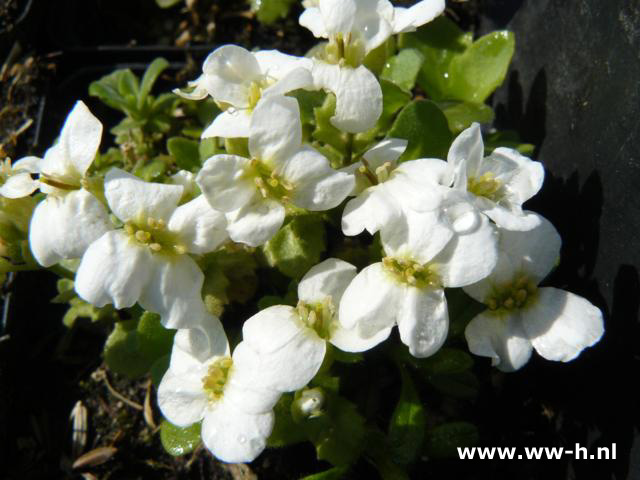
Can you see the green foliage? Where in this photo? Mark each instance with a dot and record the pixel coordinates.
(335, 473)
(179, 441)
(446, 361)
(455, 67)
(269, 11)
(509, 139)
(461, 115)
(167, 3)
(134, 345)
(297, 246)
(444, 440)
(185, 152)
(286, 430)
(403, 69)
(426, 128)
(406, 429)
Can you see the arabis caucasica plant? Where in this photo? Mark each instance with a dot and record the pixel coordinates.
(324, 202)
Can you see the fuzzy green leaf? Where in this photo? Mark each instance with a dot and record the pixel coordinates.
(149, 78)
(446, 361)
(406, 429)
(179, 441)
(461, 115)
(403, 68)
(297, 246)
(426, 128)
(335, 473)
(269, 11)
(285, 431)
(186, 152)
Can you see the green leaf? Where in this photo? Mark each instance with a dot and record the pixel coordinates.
(507, 138)
(444, 440)
(325, 132)
(107, 90)
(186, 152)
(335, 473)
(167, 3)
(446, 361)
(403, 68)
(481, 69)
(208, 147)
(461, 115)
(128, 84)
(406, 429)
(424, 125)
(297, 246)
(269, 11)
(134, 345)
(379, 453)
(159, 368)
(150, 76)
(459, 385)
(179, 441)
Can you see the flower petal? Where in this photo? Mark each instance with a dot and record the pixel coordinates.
(560, 324)
(370, 211)
(202, 228)
(529, 176)
(500, 338)
(423, 321)
(255, 223)
(18, 186)
(277, 65)
(131, 198)
(371, 313)
(312, 19)
(388, 150)
(113, 270)
(181, 398)
(293, 80)
(234, 436)
(326, 279)
(351, 340)
(232, 123)
(222, 181)
(466, 154)
(338, 15)
(275, 130)
(270, 329)
(228, 72)
(408, 19)
(173, 291)
(64, 227)
(28, 164)
(358, 95)
(194, 348)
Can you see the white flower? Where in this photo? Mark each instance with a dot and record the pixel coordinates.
(523, 316)
(385, 189)
(147, 261)
(497, 185)
(15, 180)
(205, 383)
(423, 254)
(70, 218)
(254, 191)
(297, 336)
(237, 79)
(355, 27)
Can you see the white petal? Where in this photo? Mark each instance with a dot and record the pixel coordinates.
(469, 257)
(181, 398)
(198, 92)
(326, 279)
(271, 328)
(358, 95)
(388, 150)
(511, 219)
(370, 211)
(234, 436)
(417, 235)
(232, 123)
(228, 72)
(222, 181)
(408, 19)
(293, 80)
(63, 227)
(194, 348)
(28, 164)
(312, 19)
(288, 368)
(351, 340)
(80, 138)
(317, 186)
(560, 324)
(371, 301)
(529, 176)
(202, 228)
(500, 338)
(255, 223)
(18, 186)
(113, 270)
(423, 321)
(173, 291)
(374, 22)
(338, 15)
(466, 154)
(133, 199)
(275, 130)
(277, 65)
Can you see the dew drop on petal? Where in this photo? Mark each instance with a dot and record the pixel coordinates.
(242, 439)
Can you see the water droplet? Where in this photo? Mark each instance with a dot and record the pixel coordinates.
(242, 439)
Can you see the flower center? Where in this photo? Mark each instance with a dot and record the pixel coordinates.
(412, 273)
(255, 90)
(514, 295)
(344, 50)
(153, 233)
(268, 183)
(319, 317)
(485, 186)
(215, 380)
